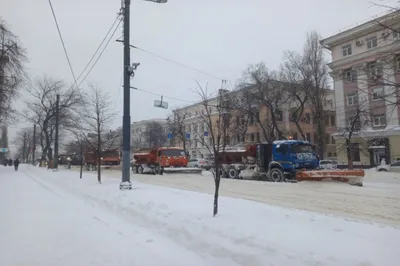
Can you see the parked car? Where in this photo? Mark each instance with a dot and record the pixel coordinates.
(199, 163)
(327, 164)
(394, 167)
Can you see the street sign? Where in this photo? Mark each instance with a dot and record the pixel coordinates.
(187, 136)
(3, 150)
(169, 135)
(160, 104)
(205, 133)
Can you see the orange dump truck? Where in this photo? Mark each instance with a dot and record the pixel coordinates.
(159, 160)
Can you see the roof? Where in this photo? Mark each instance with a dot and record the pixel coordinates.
(362, 29)
(279, 142)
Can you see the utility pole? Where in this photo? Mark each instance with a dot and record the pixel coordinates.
(34, 144)
(24, 150)
(126, 120)
(55, 164)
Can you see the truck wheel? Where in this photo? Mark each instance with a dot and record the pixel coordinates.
(276, 175)
(232, 172)
(157, 169)
(140, 169)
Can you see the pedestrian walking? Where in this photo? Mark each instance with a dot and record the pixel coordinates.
(16, 164)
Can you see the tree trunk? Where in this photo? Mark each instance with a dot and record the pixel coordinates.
(99, 154)
(217, 180)
(81, 170)
(349, 155)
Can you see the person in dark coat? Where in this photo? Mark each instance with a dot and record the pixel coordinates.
(16, 164)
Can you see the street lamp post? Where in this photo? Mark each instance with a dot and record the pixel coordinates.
(126, 120)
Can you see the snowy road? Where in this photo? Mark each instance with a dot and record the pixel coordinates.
(377, 201)
(53, 218)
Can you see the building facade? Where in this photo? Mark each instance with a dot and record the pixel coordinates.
(248, 130)
(365, 69)
(149, 133)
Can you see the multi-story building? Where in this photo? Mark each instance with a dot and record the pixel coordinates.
(365, 68)
(149, 133)
(248, 130)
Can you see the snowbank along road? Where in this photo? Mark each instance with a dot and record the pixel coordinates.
(377, 201)
(53, 218)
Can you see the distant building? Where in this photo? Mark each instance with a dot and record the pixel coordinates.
(366, 71)
(149, 133)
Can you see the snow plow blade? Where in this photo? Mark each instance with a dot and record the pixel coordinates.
(352, 177)
(188, 170)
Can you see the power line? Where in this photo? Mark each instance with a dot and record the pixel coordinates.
(177, 63)
(101, 53)
(62, 40)
(98, 48)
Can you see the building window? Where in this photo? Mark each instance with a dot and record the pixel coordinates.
(308, 118)
(295, 135)
(396, 34)
(326, 118)
(333, 141)
(258, 136)
(398, 62)
(327, 138)
(333, 123)
(380, 120)
(251, 119)
(350, 75)
(377, 94)
(372, 42)
(346, 49)
(308, 137)
(354, 149)
(279, 115)
(352, 99)
(252, 137)
(257, 116)
(374, 69)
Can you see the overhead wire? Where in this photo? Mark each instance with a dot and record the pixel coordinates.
(68, 58)
(177, 63)
(101, 53)
(62, 40)
(98, 48)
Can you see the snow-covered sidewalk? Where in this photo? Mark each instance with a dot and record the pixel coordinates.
(53, 218)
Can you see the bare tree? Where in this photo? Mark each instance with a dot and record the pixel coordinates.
(294, 74)
(313, 67)
(215, 119)
(12, 57)
(96, 121)
(176, 124)
(23, 141)
(352, 128)
(245, 107)
(268, 91)
(41, 109)
(156, 134)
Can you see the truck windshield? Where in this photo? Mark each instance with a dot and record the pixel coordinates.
(173, 152)
(301, 148)
(110, 154)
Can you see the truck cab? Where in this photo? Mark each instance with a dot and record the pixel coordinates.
(287, 156)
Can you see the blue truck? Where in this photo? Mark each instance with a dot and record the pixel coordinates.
(275, 162)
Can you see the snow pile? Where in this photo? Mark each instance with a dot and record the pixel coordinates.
(245, 232)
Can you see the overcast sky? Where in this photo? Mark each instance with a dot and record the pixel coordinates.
(220, 37)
